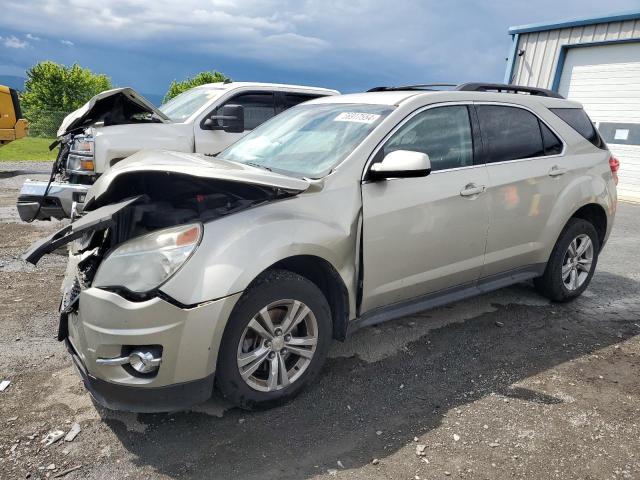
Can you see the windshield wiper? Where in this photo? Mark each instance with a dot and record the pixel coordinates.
(257, 165)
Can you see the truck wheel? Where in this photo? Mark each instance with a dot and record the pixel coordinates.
(572, 262)
(275, 342)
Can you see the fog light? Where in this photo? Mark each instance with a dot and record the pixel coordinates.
(143, 361)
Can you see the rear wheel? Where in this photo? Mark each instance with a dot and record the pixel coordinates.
(572, 262)
(275, 342)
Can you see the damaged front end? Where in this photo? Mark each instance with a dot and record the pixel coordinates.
(150, 192)
(144, 220)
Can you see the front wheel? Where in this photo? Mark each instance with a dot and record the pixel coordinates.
(572, 262)
(275, 342)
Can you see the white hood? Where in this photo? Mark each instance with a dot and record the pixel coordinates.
(118, 102)
(189, 164)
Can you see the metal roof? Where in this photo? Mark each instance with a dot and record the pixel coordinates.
(576, 22)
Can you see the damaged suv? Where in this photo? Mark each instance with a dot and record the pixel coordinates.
(119, 122)
(340, 213)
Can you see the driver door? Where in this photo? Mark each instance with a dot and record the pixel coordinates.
(258, 108)
(425, 234)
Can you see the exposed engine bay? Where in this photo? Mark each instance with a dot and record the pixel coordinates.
(154, 201)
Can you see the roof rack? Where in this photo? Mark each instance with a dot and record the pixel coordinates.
(419, 86)
(504, 88)
(473, 87)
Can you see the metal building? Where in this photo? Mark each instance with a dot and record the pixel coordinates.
(595, 61)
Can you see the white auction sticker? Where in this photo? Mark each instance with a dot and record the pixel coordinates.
(356, 117)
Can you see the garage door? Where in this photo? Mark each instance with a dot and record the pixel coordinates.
(606, 80)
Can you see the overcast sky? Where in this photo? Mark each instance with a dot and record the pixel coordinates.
(349, 45)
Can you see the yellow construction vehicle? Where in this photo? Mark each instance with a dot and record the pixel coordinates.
(12, 125)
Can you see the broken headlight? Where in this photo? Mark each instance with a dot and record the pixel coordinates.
(81, 155)
(146, 262)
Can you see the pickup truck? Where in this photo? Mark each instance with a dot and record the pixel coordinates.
(117, 123)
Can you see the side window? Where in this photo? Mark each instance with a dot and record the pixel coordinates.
(578, 119)
(552, 144)
(292, 99)
(443, 133)
(258, 108)
(510, 133)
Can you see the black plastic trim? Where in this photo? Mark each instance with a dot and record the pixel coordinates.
(447, 295)
(479, 155)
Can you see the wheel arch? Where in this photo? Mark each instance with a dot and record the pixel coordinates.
(595, 214)
(325, 276)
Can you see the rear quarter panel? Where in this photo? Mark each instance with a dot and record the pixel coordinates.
(589, 182)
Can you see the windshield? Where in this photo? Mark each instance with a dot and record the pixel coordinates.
(186, 104)
(309, 140)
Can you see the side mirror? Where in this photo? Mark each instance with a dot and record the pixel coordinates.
(232, 120)
(401, 164)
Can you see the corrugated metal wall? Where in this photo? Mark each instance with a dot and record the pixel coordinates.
(537, 66)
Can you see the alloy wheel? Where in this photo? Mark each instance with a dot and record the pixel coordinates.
(277, 345)
(577, 261)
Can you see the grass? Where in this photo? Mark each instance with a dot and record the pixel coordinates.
(30, 148)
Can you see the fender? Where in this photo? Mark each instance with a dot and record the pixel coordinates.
(235, 249)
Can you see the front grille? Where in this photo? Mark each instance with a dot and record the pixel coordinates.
(70, 294)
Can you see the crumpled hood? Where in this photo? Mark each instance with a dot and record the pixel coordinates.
(189, 164)
(116, 106)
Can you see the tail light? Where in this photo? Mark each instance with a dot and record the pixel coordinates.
(614, 165)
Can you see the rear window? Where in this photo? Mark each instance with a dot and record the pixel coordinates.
(578, 119)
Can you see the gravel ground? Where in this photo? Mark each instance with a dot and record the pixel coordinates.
(505, 385)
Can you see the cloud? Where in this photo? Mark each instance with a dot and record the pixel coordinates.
(365, 40)
(13, 42)
(68, 43)
(32, 37)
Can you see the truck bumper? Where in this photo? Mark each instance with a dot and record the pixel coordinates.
(57, 204)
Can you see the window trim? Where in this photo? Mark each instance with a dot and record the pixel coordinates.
(280, 99)
(535, 114)
(399, 125)
(218, 105)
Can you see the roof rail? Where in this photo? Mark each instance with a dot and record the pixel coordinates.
(419, 86)
(504, 88)
(473, 87)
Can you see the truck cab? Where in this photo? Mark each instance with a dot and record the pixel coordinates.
(117, 123)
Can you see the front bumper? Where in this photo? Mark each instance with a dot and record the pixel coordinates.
(57, 204)
(106, 323)
(143, 400)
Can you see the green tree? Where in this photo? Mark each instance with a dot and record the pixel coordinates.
(53, 90)
(176, 88)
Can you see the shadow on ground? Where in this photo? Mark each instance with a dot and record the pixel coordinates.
(337, 418)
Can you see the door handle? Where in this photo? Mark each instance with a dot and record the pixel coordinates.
(556, 171)
(472, 189)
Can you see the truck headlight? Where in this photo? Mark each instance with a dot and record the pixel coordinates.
(81, 155)
(146, 262)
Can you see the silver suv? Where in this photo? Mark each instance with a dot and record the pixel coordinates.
(342, 212)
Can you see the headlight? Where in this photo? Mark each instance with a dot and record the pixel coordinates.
(146, 262)
(81, 155)
(82, 145)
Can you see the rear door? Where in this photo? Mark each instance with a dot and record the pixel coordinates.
(526, 171)
(259, 107)
(421, 235)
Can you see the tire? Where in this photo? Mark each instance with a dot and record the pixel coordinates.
(559, 286)
(248, 337)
